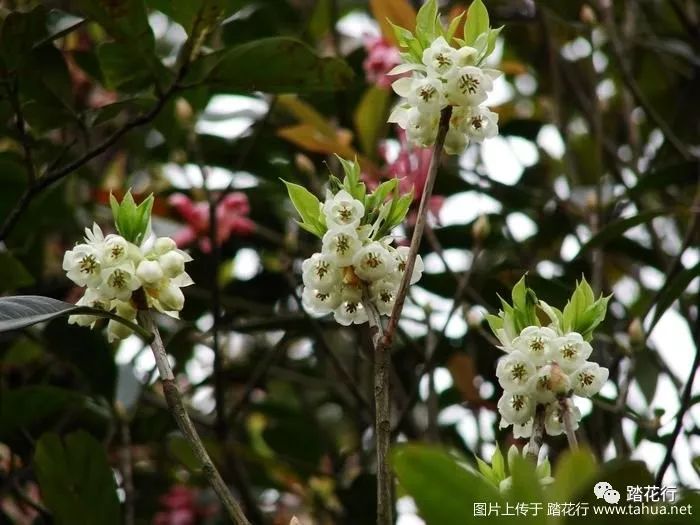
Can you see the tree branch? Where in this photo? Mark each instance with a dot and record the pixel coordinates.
(55, 175)
(382, 413)
(537, 436)
(182, 418)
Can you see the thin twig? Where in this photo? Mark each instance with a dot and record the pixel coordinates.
(421, 220)
(179, 413)
(126, 461)
(53, 176)
(684, 405)
(537, 436)
(605, 6)
(382, 413)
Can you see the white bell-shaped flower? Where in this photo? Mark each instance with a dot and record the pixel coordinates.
(482, 124)
(89, 298)
(319, 303)
(589, 379)
(342, 209)
(440, 58)
(550, 381)
(524, 430)
(456, 141)
(118, 282)
(150, 272)
(171, 297)
(570, 351)
(554, 418)
(163, 245)
(340, 245)
(350, 312)
(82, 265)
(115, 250)
(421, 127)
(468, 86)
(515, 372)
(172, 263)
(515, 409)
(373, 261)
(401, 255)
(536, 342)
(320, 273)
(383, 294)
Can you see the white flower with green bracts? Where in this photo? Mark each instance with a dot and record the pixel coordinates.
(320, 272)
(570, 351)
(343, 210)
(515, 372)
(536, 342)
(515, 409)
(589, 379)
(340, 245)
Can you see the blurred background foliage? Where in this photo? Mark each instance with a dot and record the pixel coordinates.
(595, 172)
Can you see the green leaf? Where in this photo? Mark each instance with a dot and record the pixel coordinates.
(498, 464)
(379, 195)
(491, 41)
(132, 221)
(308, 207)
(20, 311)
(574, 472)
(30, 409)
(121, 69)
(277, 65)
(77, 484)
(452, 28)
(427, 23)
(13, 274)
(124, 20)
(444, 490)
(351, 182)
(19, 32)
(671, 291)
(477, 22)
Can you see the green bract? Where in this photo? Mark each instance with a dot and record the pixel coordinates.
(131, 220)
(582, 313)
(384, 207)
(477, 32)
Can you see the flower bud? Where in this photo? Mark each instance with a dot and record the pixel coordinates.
(149, 271)
(474, 318)
(164, 245)
(481, 228)
(172, 298)
(172, 263)
(636, 332)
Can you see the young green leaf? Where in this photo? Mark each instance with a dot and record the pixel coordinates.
(308, 207)
(427, 23)
(131, 220)
(477, 22)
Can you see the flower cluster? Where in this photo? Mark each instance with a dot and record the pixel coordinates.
(540, 367)
(546, 365)
(357, 263)
(231, 219)
(443, 75)
(111, 268)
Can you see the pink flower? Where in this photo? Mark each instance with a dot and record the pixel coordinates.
(231, 218)
(180, 507)
(411, 167)
(381, 58)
